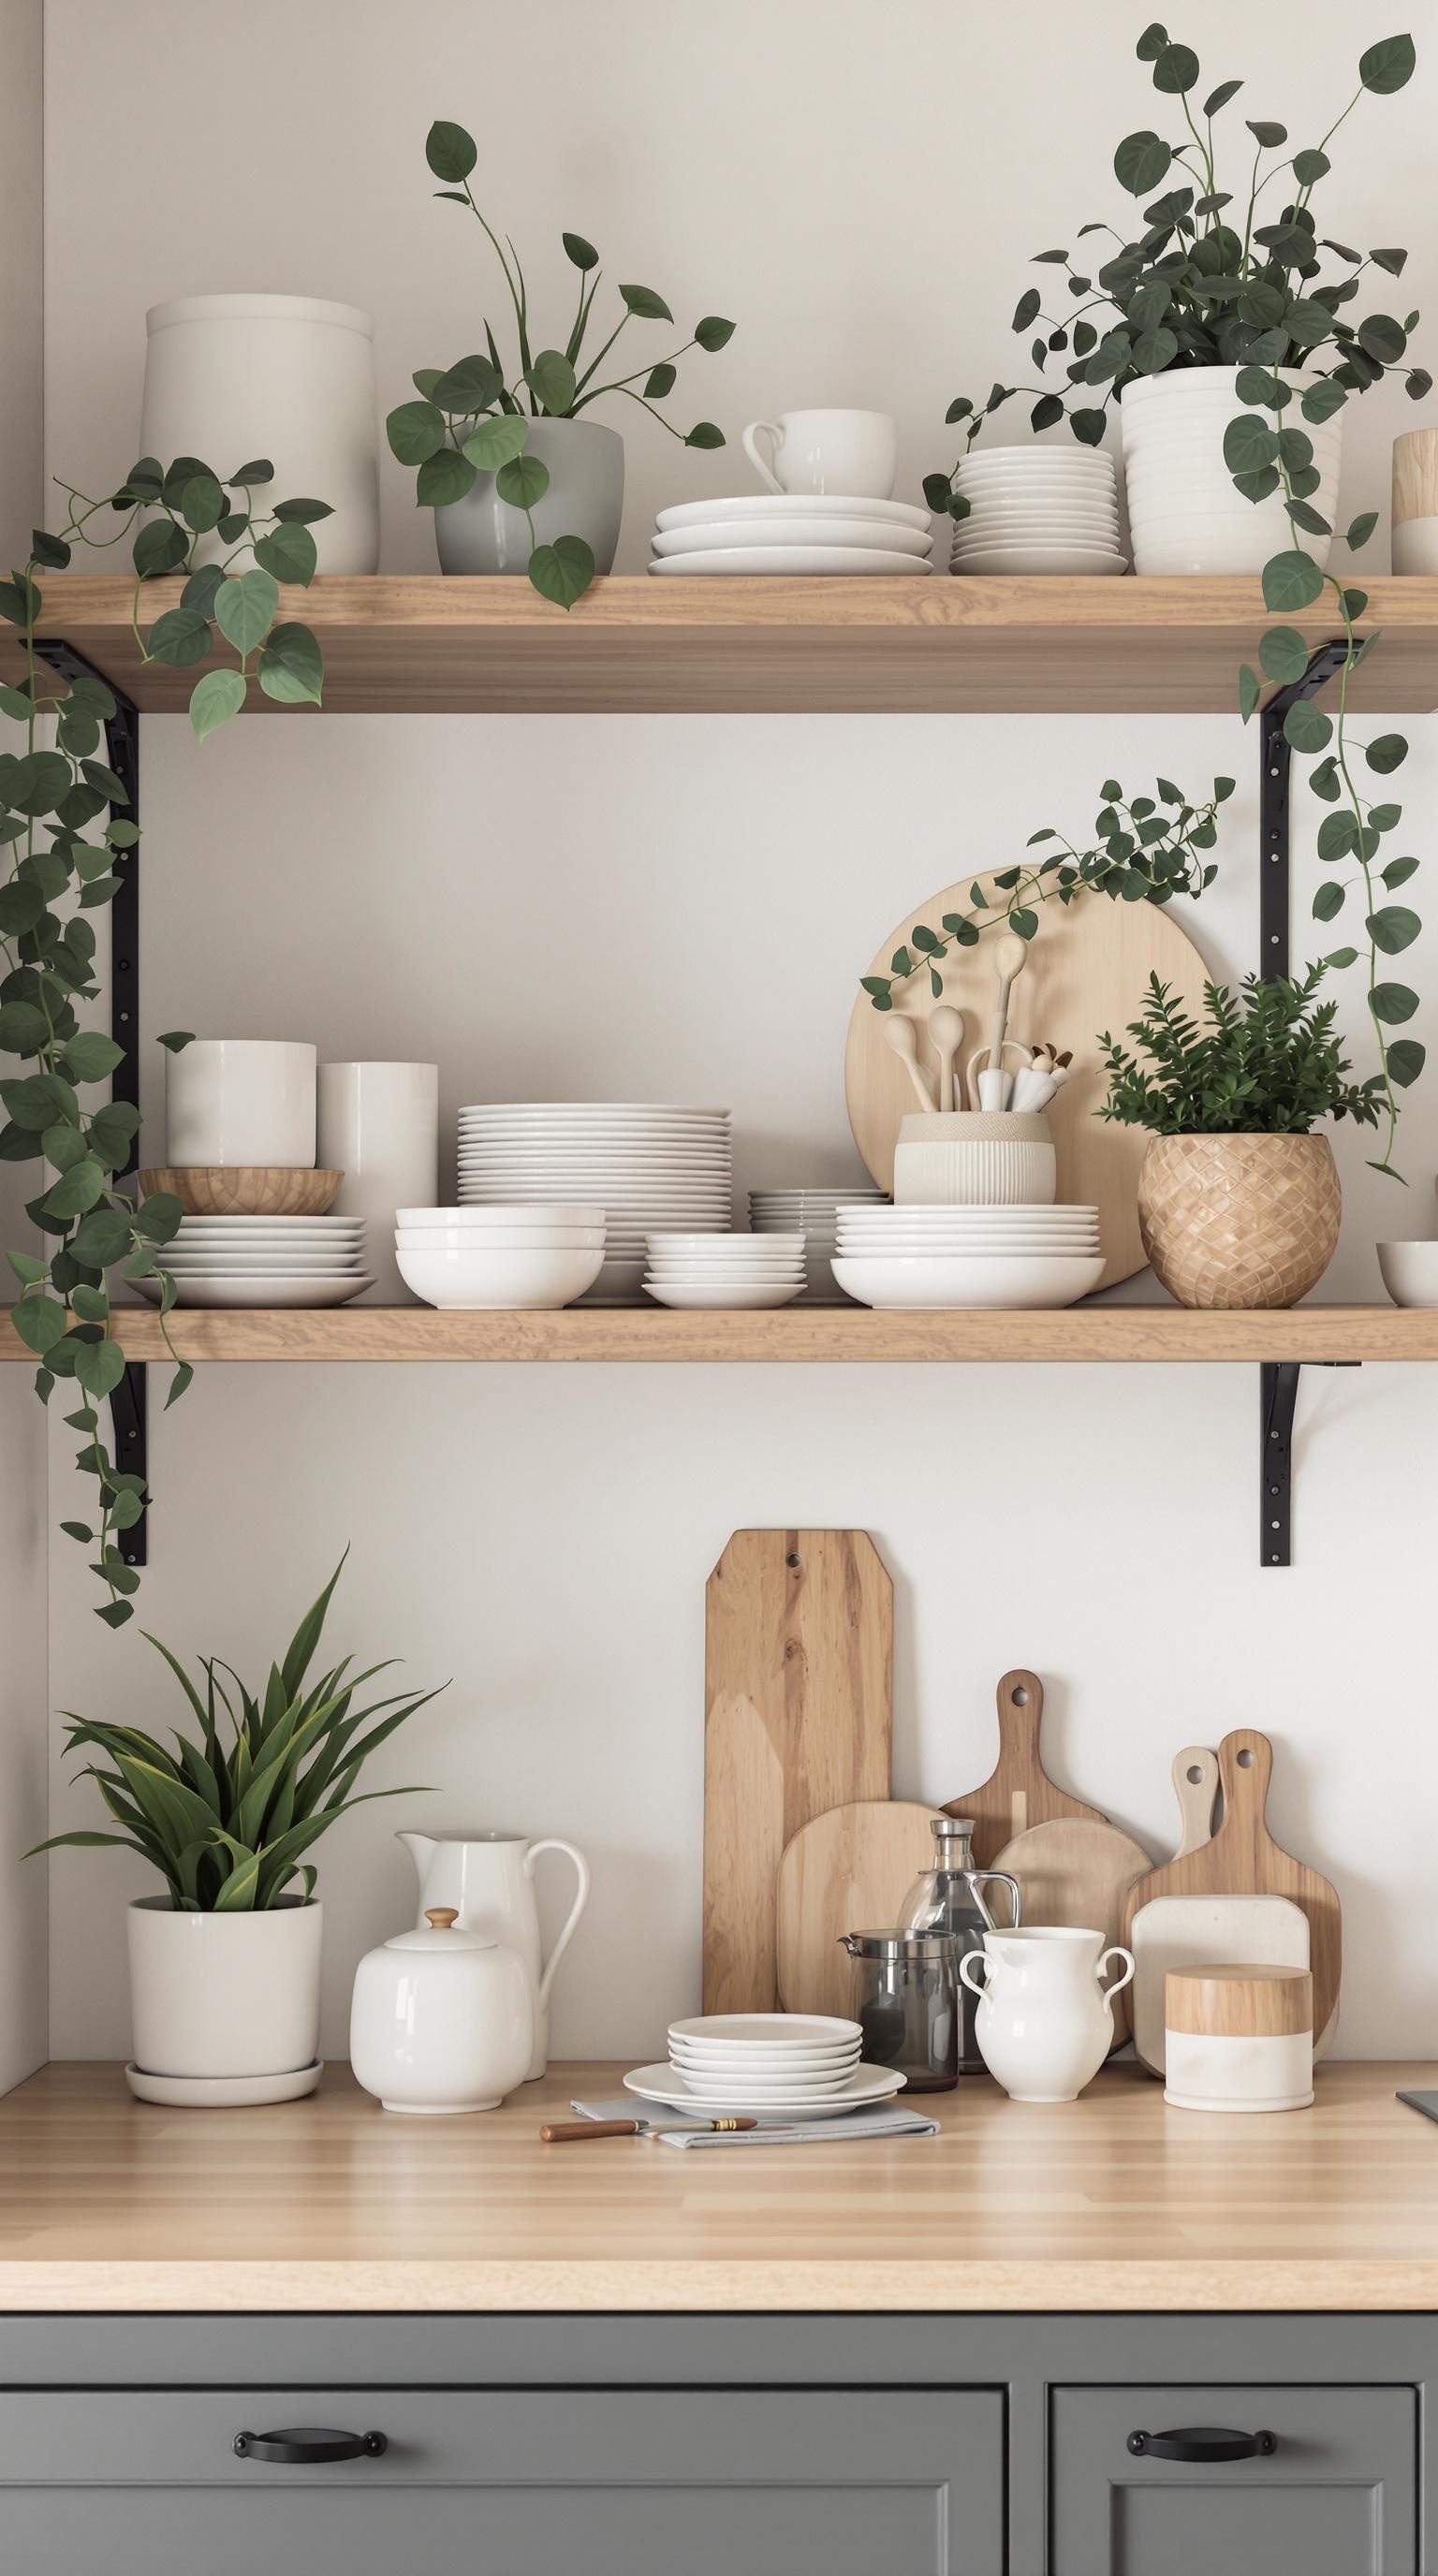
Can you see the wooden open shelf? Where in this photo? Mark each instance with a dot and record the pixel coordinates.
(410, 643)
(387, 1333)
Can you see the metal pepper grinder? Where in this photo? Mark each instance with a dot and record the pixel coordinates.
(948, 1898)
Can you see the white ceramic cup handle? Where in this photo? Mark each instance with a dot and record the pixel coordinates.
(762, 467)
(1119, 1982)
(974, 1959)
(551, 1842)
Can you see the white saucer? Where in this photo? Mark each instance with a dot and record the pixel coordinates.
(1022, 560)
(262, 1288)
(869, 2084)
(223, 2092)
(788, 560)
(795, 505)
(707, 535)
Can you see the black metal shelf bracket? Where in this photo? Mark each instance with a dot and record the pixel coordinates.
(122, 750)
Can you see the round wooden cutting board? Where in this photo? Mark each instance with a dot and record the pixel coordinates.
(1086, 972)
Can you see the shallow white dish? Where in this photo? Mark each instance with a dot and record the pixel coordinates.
(268, 1229)
(792, 505)
(1410, 1272)
(688, 1265)
(767, 2063)
(714, 1295)
(715, 2090)
(766, 2030)
(531, 1212)
(643, 1110)
(261, 1289)
(531, 1281)
(1020, 560)
(862, 562)
(936, 1281)
(707, 536)
(223, 2092)
(730, 1246)
(1095, 464)
(866, 2084)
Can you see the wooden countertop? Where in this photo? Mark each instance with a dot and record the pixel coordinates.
(1115, 2202)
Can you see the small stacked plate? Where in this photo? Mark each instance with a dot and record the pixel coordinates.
(791, 2066)
(812, 1212)
(519, 1258)
(725, 1270)
(651, 1168)
(793, 532)
(264, 1261)
(968, 1256)
(1038, 510)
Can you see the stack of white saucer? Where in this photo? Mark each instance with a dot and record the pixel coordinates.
(649, 1166)
(811, 1210)
(765, 2066)
(264, 1261)
(725, 1270)
(793, 532)
(1038, 510)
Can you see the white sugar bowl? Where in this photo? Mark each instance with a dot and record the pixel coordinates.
(442, 2020)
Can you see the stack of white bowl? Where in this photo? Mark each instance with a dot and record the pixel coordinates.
(264, 1261)
(650, 1167)
(811, 1210)
(528, 1257)
(968, 1256)
(725, 1270)
(793, 532)
(1038, 510)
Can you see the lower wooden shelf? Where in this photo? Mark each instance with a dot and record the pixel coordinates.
(811, 1334)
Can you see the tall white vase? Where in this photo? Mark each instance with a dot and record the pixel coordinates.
(229, 378)
(379, 1125)
(1185, 513)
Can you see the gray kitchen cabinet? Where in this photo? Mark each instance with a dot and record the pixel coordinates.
(484, 2482)
(1330, 2488)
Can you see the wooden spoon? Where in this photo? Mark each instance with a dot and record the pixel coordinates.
(946, 1036)
(902, 1039)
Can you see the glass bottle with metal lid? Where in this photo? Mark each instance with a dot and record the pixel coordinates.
(949, 1898)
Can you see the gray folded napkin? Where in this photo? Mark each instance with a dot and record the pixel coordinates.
(885, 2120)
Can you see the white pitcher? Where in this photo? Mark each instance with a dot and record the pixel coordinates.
(488, 1878)
(1045, 2018)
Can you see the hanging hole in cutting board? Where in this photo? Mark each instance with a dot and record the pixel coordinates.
(794, 1561)
(1020, 1698)
(1245, 1760)
(1194, 1774)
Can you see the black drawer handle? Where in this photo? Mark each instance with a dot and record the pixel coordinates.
(1202, 2444)
(304, 2446)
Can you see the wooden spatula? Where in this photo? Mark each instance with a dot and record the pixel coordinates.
(1018, 1792)
(848, 1871)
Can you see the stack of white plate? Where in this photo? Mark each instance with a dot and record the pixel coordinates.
(1036, 510)
(651, 1168)
(813, 1212)
(513, 1257)
(968, 1256)
(726, 1270)
(264, 1261)
(765, 2066)
(793, 532)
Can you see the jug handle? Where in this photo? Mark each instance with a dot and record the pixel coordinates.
(1108, 1992)
(551, 1842)
(974, 1959)
(998, 1878)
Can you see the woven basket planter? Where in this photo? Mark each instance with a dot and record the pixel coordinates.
(1239, 1220)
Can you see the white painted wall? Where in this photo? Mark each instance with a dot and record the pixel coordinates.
(23, 1681)
(678, 907)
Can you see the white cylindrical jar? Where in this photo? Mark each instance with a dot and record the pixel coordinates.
(247, 1101)
(975, 1158)
(379, 1125)
(233, 378)
(1185, 513)
(1238, 2038)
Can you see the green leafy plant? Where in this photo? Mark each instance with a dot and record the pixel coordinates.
(1146, 850)
(1268, 1063)
(226, 1819)
(58, 866)
(1197, 290)
(472, 418)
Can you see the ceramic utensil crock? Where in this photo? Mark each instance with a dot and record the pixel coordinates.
(488, 1879)
(1044, 2022)
(975, 1158)
(442, 2020)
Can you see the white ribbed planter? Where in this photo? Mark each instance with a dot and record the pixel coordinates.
(1185, 515)
(974, 1158)
(224, 1994)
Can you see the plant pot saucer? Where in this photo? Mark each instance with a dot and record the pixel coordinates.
(223, 2092)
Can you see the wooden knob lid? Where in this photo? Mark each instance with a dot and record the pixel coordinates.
(1239, 2002)
(443, 1918)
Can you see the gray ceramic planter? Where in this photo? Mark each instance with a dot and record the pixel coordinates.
(585, 499)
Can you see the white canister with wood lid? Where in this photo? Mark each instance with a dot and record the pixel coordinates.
(1238, 2038)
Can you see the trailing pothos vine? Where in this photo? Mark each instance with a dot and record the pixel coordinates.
(58, 864)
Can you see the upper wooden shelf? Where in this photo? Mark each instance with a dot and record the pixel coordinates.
(399, 644)
(794, 1333)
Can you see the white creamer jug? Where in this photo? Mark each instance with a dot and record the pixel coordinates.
(1045, 2020)
(488, 1878)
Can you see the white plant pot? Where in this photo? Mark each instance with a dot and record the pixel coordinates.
(224, 1994)
(232, 377)
(380, 1124)
(247, 1101)
(1185, 514)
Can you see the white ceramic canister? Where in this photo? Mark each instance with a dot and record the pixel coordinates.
(488, 1877)
(231, 378)
(1238, 2038)
(228, 1994)
(1185, 513)
(1045, 2018)
(975, 1158)
(379, 1125)
(241, 1101)
(441, 2020)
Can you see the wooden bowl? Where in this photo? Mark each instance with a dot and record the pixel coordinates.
(237, 1189)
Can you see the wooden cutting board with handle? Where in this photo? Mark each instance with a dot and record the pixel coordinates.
(1076, 1872)
(1243, 1860)
(848, 1871)
(1018, 1792)
(799, 1647)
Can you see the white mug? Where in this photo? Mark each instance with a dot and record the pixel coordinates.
(854, 453)
(241, 1101)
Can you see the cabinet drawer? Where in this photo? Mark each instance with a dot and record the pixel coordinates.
(1336, 2496)
(835, 2482)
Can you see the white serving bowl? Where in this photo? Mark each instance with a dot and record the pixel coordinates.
(513, 1238)
(1410, 1272)
(722, 1291)
(484, 1278)
(935, 1281)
